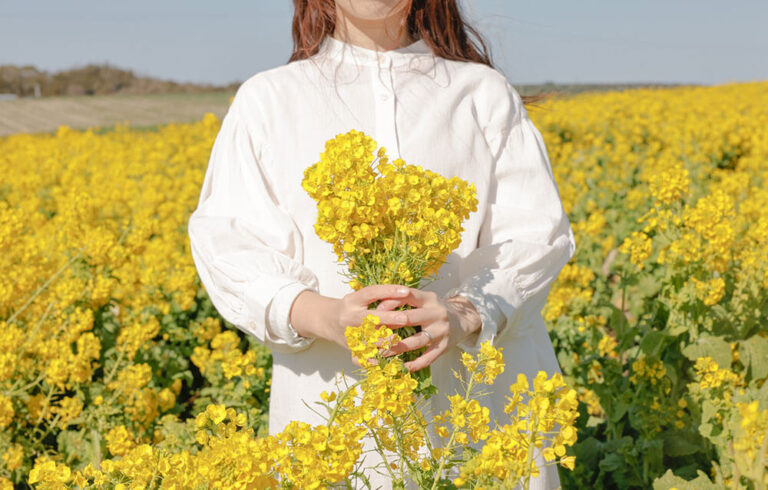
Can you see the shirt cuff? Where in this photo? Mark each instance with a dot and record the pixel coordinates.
(279, 321)
(490, 314)
(279, 335)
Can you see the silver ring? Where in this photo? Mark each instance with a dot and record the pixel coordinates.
(431, 338)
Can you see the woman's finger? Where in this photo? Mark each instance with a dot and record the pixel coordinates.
(392, 319)
(369, 294)
(415, 341)
(417, 297)
(389, 304)
(422, 316)
(424, 360)
(384, 340)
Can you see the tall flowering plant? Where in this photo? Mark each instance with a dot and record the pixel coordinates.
(227, 453)
(541, 419)
(388, 221)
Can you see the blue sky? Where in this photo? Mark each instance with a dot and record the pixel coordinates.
(704, 41)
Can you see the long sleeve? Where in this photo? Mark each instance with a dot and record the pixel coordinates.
(525, 238)
(247, 250)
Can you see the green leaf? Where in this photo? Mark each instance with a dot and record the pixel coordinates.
(719, 312)
(425, 387)
(669, 481)
(677, 323)
(678, 443)
(79, 445)
(593, 421)
(618, 321)
(612, 462)
(619, 408)
(675, 328)
(653, 343)
(754, 354)
(710, 346)
(705, 428)
(652, 454)
(588, 452)
(649, 285)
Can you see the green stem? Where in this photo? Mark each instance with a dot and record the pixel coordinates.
(449, 446)
(15, 391)
(422, 428)
(43, 286)
(338, 402)
(531, 448)
(380, 450)
(403, 460)
(52, 423)
(401, 450)
(114, 368)
(96, 443)
(31, 336)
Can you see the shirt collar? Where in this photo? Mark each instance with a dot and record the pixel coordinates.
(341, 50)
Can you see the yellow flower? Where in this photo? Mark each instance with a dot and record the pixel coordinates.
(639, 248)
(217, 413)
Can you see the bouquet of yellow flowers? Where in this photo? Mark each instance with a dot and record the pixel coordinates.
(388, 221)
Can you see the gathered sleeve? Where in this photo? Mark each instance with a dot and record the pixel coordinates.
(525, 238)
(247, 250)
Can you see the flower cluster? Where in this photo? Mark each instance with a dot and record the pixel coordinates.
(671, 183)
(367, 340)
(639, 247)
(710, 375)
(542, 420)
(710, 292)
(645, 369)
(470, 419)
(389, 221)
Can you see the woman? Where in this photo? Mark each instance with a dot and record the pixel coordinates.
(405, 73)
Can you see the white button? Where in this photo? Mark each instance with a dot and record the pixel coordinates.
(384, 97)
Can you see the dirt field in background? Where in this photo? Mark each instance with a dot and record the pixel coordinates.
(30, 115)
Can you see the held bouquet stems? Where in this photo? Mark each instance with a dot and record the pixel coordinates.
(388, 221)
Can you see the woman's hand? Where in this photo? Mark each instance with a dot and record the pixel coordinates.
(314, 315)
(448, 321)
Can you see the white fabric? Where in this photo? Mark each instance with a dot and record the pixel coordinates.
(252, 236)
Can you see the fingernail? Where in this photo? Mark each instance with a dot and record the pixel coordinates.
(402, 290)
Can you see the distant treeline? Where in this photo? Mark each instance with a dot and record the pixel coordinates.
(577, 88)
(93, 79)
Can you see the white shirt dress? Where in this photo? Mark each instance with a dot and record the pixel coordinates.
(252, 236)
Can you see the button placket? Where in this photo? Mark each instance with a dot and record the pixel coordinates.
(386, 134)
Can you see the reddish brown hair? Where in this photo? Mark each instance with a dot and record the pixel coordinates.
(438, 22)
